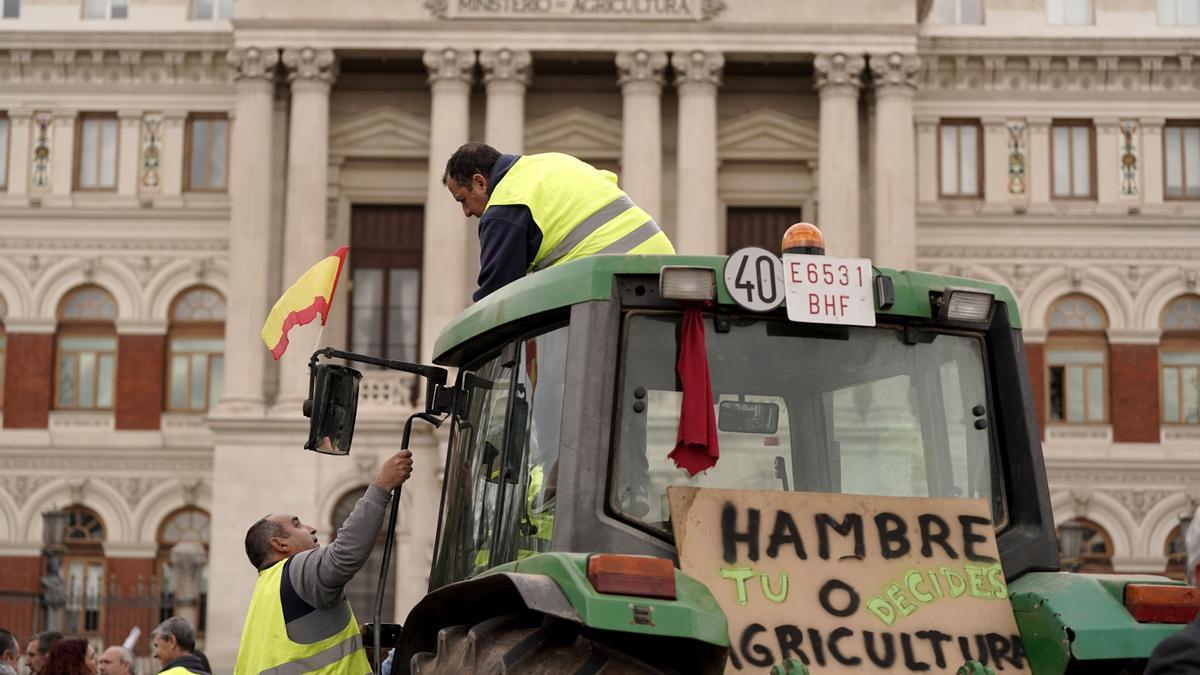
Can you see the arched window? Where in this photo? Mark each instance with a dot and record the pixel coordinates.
(83, 569)
(1095, 550)
(189, 526)
(1179, 358)
(87, 350)
(361, 589)
(1176, 551)
(196, 346)
(1077, 361)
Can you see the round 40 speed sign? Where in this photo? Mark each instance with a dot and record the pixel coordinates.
(754, 277)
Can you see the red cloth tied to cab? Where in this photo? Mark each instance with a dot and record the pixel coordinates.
(696, 445)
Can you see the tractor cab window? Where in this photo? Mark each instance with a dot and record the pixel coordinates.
(808, 408)
(472, 477)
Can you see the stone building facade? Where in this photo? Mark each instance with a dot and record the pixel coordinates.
(167, 170)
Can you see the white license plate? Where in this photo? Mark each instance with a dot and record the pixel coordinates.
(820, 289)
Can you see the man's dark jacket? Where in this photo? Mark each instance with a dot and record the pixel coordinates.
(509, 238)
(190, 662)
(1178, 654)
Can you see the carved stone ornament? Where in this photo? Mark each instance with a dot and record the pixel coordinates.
(506, 65)
(449, 65)
(641, 67)
(20, 487)
(709, 9)
(895, 70)
(253, 63)
(151, 152)
(1016, 157)
(1128, 157)
(437, 8)
(316, 65)
(698, 67)
(839, 71)
(43, 131)
(1139, 502)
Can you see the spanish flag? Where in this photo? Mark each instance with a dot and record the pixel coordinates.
(312, 294)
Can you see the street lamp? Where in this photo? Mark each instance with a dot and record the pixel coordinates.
(54, 529)
(1070, 545)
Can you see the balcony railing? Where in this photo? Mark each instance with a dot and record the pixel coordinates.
(385, 391)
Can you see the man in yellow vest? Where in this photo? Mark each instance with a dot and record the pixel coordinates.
(540, 210)
(174, 645)
(299, 619)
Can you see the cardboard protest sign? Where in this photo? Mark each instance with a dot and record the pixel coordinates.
(850, 583)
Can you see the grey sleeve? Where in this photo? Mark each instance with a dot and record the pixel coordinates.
(320, 574)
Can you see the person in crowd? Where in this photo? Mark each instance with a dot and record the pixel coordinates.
(10, 652)
(174, 644)
(1180, 653)
(70, 656)
(38, 650)
(117, 660)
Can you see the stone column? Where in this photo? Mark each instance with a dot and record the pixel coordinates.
(173, 153)
(697, 208)
(995, 164)
(641, 80)
(928, 160)
(451, 276)
(129, 140)
(838, 79)
(311, 73)
(1039, 163)
(1108, 166)
(249, 229)
(506, 73)
(1153, 178)
(19, 141)
(895, 188)
(62, 154)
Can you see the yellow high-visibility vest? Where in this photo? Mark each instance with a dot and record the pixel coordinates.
(579, 209)
(268, 649)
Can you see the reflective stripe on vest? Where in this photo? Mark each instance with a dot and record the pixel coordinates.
(579, 209)
(177, 670)
(267, 647)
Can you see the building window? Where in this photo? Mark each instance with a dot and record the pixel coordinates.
(196, 345)
(105, 9)
(1175, 548)
(1077, 361)
(3, 151)
(208, 151)
(1178, 12)
(1181, 156)
(12, 9)
(96, 152)
(960, 148)
(1072, 159)
(212, 9)
(1069, 12)
(758, 226)
(83, 568)
(958, 11)
(386, 271)
(188, 526)
(1095, 550)
(87, 350)
(1179, 355)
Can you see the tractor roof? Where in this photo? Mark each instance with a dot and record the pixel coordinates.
(591, 278)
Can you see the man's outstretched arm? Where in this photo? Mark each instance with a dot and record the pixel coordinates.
(320, 574)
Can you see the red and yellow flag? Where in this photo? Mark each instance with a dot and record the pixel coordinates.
(312, 294)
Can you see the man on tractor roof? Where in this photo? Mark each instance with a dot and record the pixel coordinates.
(540, 210)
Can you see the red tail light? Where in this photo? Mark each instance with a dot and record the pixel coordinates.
(642, 576)
(1152, 603)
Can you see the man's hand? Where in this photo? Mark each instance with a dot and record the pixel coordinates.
(395, 471)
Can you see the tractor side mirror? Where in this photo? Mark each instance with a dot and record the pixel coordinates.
(332, 408)
(748, 417)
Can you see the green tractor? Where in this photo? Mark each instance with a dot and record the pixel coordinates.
(555, 550)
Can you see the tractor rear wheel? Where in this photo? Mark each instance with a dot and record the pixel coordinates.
(524, 643)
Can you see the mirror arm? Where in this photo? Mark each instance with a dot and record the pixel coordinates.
(438, 397)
